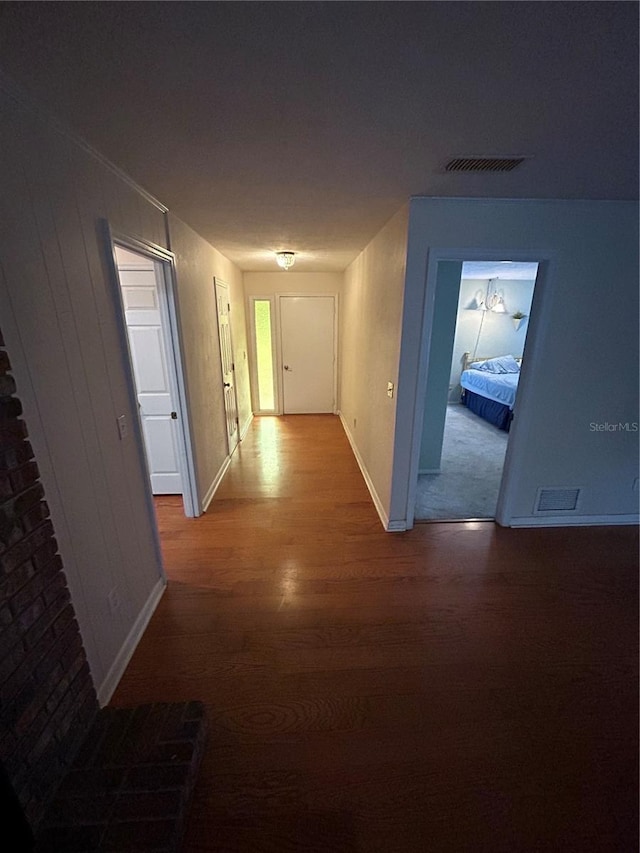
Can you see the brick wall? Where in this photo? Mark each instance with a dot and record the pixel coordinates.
(47, 699)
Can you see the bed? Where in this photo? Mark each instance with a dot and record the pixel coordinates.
(489, 387)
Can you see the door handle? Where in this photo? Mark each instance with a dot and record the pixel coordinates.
(174, 416)
(286, 367)
(227, 384)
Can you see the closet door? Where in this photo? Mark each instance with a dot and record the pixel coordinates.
(307, 326)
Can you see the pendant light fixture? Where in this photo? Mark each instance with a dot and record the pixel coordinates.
(285, 259)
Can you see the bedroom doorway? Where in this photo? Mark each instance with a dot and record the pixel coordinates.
(477, 346)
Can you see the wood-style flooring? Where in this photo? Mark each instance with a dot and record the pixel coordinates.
(460, 687)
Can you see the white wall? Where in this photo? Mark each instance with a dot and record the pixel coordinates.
(584, 365)
(59, 319)
(270, 283)
(197, 262)
(445, 308)
(485, 333)
(370, 328)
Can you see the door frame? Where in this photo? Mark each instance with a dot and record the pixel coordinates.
(534, 345)
(218, 282)
(279, 371)
(175, 359)
(253, 354)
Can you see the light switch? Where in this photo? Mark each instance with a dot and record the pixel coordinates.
(390, 389)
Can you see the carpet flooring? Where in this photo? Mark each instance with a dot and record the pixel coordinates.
(472, 460)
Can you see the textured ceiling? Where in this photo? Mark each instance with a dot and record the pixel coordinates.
(274, 125)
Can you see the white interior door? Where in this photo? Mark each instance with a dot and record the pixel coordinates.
(228, 371)
(154, 387)
(308, 354)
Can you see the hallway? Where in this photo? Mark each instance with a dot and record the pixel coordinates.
(460, 687)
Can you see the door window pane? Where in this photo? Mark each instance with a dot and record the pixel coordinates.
(264, 354)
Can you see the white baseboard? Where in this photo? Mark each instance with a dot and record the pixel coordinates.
(216, 482)
(116, 670)
(245, 428)
(573, 521)
(384, 518)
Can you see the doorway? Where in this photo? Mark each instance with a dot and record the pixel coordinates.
(481, 315)
(293, 353)
(144, 278)
(227, 366)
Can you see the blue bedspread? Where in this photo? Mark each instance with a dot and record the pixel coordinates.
(500, 387)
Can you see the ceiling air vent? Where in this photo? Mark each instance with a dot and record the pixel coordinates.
(557, 500)
(484, 164)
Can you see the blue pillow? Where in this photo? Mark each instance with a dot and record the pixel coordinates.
(501, 364)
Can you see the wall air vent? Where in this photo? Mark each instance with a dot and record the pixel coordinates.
(484, 164)
(557, 500)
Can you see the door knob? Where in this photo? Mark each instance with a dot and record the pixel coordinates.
(227, 384)
(286, 367)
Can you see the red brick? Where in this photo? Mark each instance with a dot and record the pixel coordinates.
(7, 385)
(45, 553)
(48, 698)
(31, 614)
(35, 586)
(6, 489)
(18, 505)
(139, 835)
(36, 514)
(27, 547)
(15, 455)
(24, 477)
(10, 661)
(156, 777)
(148, 804)
(11, 531)
(10, 407)
(12, 431)
(13, 583)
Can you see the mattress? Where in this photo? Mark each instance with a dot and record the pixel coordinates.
(500, 387)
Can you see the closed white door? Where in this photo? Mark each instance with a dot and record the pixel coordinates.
(228, 367)
(154, 386)
(308, 356)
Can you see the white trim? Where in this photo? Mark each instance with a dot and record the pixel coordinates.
(576, 521)
(253, 357)
(187, 450)
(384, 518)
(534, 347)
(116, 670)
(534, 343)
(245, 428)
(219, 283)
(206, 500)
(15, 91)
(158, 254)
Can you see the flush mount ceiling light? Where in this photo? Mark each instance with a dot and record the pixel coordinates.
(286, 259)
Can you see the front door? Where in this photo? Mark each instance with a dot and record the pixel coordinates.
(308, 356)
(151, 369)
(228, 367)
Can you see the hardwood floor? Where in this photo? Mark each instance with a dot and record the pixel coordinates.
(460, 687)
